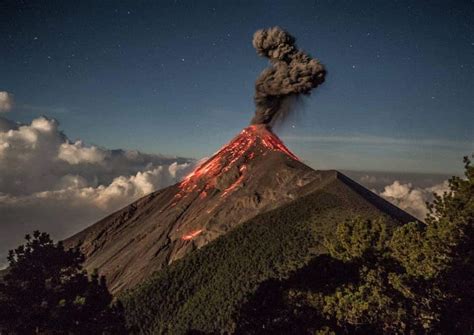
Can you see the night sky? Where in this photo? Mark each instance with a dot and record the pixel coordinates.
(177, 77)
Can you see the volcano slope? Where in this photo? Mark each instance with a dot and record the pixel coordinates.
(205, 291)
(252, 175)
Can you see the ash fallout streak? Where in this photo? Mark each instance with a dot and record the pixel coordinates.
(292, 73)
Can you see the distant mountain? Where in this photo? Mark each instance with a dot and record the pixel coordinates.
(250, 176)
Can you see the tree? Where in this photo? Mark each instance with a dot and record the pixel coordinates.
(46, 291)
(418, 279)
(442, 253)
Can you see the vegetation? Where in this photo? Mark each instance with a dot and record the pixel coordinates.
(45, 291)
(204, 291)
(416, 279)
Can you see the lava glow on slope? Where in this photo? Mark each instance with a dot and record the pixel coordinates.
(191, 235)
(233, 159)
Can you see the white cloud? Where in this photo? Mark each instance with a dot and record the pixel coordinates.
(76, 153)
(74, 190)
(6, 101)
(53, 184)
(412, 199)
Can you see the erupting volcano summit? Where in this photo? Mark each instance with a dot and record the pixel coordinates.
(232, 162)
(249, 176)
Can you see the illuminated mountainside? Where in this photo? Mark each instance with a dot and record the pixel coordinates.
(252, 174)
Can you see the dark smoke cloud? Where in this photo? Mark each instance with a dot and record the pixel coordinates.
(292, 73)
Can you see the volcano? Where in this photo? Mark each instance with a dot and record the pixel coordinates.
(253, 174)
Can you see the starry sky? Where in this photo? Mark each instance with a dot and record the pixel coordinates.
(177, 77)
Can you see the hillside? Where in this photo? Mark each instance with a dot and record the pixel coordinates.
(205, 291)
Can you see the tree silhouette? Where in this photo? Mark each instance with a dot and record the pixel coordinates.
(420, 279)
(46, 291)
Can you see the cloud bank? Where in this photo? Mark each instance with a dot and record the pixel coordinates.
(413, 199)
(409, 191)
(53, 184)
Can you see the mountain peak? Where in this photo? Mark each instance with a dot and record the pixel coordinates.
(228, 168)
(253, 174)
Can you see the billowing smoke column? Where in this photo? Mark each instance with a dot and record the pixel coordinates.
(291, 74)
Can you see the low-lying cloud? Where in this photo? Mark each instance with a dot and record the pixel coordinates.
(53, 184)
(409, 191)
(413, 199)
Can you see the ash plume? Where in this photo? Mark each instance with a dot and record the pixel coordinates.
(292, 73)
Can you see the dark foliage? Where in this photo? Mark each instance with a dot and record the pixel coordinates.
(277, 306)
(418, 280)
(45, 291)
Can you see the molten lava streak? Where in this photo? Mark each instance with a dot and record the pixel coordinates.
(191, 235)
(253, 141)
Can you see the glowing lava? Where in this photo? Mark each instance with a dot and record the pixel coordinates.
(228, 169)
(191, 235)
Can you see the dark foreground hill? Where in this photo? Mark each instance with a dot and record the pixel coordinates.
(213, 289)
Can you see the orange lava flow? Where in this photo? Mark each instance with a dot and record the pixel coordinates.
(237, 152)
(191, 235)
